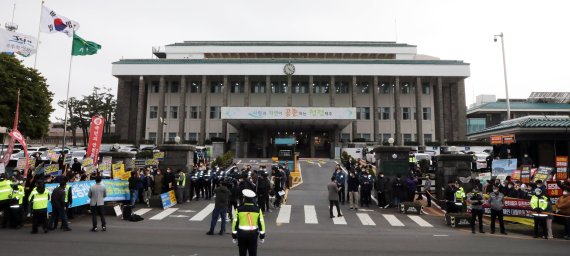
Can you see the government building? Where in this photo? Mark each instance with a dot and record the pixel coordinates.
(321, 93)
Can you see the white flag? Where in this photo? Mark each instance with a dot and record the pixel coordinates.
(12, 42)
(52, 22)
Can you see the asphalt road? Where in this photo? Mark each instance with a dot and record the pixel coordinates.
(177, 234)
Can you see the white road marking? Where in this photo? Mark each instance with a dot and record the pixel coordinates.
(365, 219)
(319, 164)
(284, 214)
(187, 210)
(203, 213)
(440, 235)
(393, 220)
(142, 211)
(365, 210)
(163, 214)
(420, 221)
(335, 162)
(179, 216)
(338, 220)
(238, 162)
(310, 215)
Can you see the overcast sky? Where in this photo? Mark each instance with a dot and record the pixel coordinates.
(536, 34)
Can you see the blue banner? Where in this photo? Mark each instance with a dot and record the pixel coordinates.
(168, 199)
(117, 190)
(504, 166)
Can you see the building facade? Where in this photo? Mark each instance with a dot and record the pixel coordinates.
(323, 93)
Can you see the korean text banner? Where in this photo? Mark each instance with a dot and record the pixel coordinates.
(117, 190)
(95, 135)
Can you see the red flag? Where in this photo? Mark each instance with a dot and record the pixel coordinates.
(15, 134)
(95, 135)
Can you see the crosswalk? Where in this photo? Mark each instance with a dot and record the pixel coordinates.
(309, 212)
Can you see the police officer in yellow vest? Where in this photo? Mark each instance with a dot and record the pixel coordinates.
(459, 199)
(39, 200)
(180, 186)
(247, 225)
(16, 206)
(5, 192)
(539, 203)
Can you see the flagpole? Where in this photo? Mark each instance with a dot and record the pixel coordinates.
(38, 38)
(67, 97)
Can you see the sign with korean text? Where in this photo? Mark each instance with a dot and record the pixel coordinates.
(509, 139)
(542, 173)
(158, 156)
(52, 155)
(119, 171)
(151, 162)
(117, 190)
(168, 199)
(288, 113)
(561, 167)
(516, 175)
(87, 165)
(552, 189)
(504, 166)
(52, 170)
(95, 135)
(496, 139)
(105, 166)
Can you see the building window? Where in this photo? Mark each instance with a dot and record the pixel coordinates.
(407, 137)
(171, 136)
(153, 112)
(154, 87)
(365, 136)
(385, 113)
(476, 124)
(427, 137)
(232, 137)
(344, 137)
(300, 87)
(406, 113)
(214, 135)
(216, 87)
(174, 87)
(406, 89)
(193, 136)
(385, 137)
(195, 87)
(237, 87)
(362, 88)
(320, 87)
(385, 88)
(258, 87)
(215, 113)
(152, 136)
(426, 113)
(426, 89)
(195, 112)
(279, 87)
(341, 87)
(174, 112)
(363, 113)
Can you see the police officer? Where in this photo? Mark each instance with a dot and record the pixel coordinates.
(340, 183)
(263, 192)
(476, 200)
(200, 183)
(5, 192)
(539, 203)
(16, 206)
(194, 184)
(38, 204)
(208, 184)
(247, 225)
(180, 186)
(365, 189)
(460, 198)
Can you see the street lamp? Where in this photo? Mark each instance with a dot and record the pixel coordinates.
(391, 141)
(177, 139)
(505, 73)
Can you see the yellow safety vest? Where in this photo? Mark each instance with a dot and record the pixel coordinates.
(248, 217)
(541, 202)
(18, 194)
(39, 201)
(67, 188)
(459, 195)
(5, 189)
(182, 178)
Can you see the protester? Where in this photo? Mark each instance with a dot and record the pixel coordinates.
(563, 206)
(148, 184)
(97, 193)
(340, 182)
(333, 197)
(353, 184)
(380, 186)
(158, 182)
(58, 206)
(427, 189)
(220, 208)
(398, 190)
(133, 187)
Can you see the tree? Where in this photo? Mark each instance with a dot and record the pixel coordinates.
(73, 121)
(35, 98)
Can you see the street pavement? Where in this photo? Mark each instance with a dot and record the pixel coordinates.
(301, 227)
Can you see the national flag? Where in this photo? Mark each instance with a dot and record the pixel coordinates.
(51, 22)
(21, 44)
(82, 47)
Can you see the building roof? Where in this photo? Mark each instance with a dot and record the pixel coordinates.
(294, 61)
(529, 122)
(519, 106)
(292, 43)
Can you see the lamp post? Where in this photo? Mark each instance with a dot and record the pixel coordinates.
(177, 139)
(391, 141)
(504, 73)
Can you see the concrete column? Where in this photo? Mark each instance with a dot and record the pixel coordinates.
(311, 81)
(161, 99)
(205, 90)
(312, 143)
(182, 108)
(353, 104)
(225, 104)
(140, 112)
(289, 91)
(461, 111)
(265, 142)
(374, 110)
(247, 88)
(332, 91)
(398, 113)
(438, 99)
(268, 91)
(122, 110)
(452, 108)
(419, 112)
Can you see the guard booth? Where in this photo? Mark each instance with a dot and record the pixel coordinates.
(392, 160)
(451, 167)
(286, 151)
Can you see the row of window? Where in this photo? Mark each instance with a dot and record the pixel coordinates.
(363, 113)
(192, 136)
(318, 87)
(407, 137)
(195, 113)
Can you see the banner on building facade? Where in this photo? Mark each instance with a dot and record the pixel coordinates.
(288, 113)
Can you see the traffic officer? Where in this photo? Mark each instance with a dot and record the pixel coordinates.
(459, 198)
(180, 186)
(412, 162)
(539, 203)
(17, 204)
(208, 184)
(247, 225)
(38, 203)
(5, 192)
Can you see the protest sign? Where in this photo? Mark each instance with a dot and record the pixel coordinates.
(105, 166)
(117, 190)
(87, 165)
(542, 173)
(525, 173)
(504, 166)
(168, 199)
(52, 170)
(561, 167)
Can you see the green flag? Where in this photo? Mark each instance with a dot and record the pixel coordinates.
(82, 47)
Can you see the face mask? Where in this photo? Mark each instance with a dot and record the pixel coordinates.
(496, 191)
(510, 186)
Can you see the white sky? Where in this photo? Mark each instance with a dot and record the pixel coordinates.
(536, 34)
